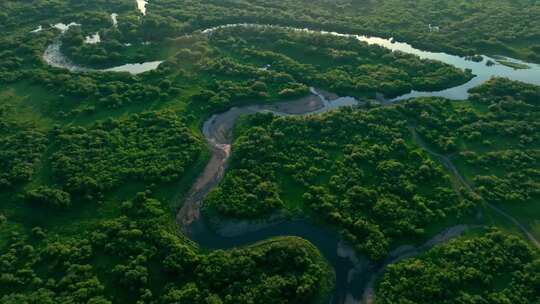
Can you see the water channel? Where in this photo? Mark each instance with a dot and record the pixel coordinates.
(355, 275)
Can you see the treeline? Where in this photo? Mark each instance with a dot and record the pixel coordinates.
(460, 27)
(113, 49)
(136, 258)
(361, 170)
(492, 268)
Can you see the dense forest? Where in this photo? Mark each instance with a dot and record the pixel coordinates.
(461, 27)
(139, 258)
(151, 147)
(94, 164)
(493, 139)
(21, 147)
(365, 171)
(491, 268)
(357, 169)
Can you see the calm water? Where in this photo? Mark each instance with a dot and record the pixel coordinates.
(351, 274)
(327, 242)
(355, 275)
(482, 71)
(93, 39)
(114, 19)
(351, 271)
(53, 55)
(135, 68)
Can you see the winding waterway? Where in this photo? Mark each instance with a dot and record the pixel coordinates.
(54, 57)
(355, 275)
(483, 70)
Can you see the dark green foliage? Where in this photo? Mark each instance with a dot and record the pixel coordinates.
(342, 65)
(355, 168)
(149, 263)
(44, 195)
(499, 145)
(246, 194)
(150, 147)
(466, 27)
(21, 147)
(493, 268)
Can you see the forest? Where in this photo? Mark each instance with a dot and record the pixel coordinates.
(364, 172)
(94, 165)
(150, 263)
(21, 148)
(150, 147)
(490, 268)
(493, 139)
(356, 169)
(492, 27)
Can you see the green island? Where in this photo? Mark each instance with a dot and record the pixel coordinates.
(107, 167)
(513, 65)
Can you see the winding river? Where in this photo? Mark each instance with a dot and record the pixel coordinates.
(54, 57)
(483, 69)
(355, 275)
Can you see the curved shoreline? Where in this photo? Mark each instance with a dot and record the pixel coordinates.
(217, 129)
(483, 70)
(54, 57)
(351, 270)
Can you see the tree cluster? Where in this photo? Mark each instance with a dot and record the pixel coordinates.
(135, 258)
(151, 147)
(492, 268)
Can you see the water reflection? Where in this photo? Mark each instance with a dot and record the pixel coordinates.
(54, 57)
(484, 69)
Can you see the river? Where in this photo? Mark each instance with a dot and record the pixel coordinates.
(355, 275)
(483, 70)
(54, 57)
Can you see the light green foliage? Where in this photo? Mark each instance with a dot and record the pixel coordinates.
(151, 147)
(498, 147)
(358, 170)
(342, 65)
